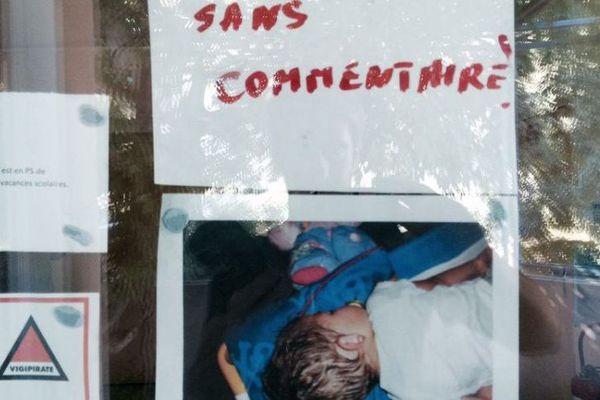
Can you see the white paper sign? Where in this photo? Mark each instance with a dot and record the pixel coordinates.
(499, 214)
(49, 346)
(53, 172)
(334, 95)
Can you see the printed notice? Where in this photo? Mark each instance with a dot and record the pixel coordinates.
(53, 172)
(49, 345)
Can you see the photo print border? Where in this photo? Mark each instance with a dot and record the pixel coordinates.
(498, 215)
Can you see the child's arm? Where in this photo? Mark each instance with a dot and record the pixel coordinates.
(231, 375)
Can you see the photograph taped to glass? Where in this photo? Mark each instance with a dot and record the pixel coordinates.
(233, 289)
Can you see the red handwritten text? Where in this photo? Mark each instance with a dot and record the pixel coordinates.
(262, 17)
(401, 75)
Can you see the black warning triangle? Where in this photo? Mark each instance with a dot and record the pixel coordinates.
(31, 358)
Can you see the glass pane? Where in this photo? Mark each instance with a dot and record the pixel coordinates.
(103, 47)
(559, 163)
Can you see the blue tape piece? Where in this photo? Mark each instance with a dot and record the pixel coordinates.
(90, 116)
(68, 316)
(497, 212)
(175, 220)
(79, 235)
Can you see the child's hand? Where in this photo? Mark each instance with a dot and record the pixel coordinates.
(476, 268)
(485, 393)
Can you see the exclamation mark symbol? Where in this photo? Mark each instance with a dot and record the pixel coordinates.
(507, 50)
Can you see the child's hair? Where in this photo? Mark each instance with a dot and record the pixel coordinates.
(306, 365)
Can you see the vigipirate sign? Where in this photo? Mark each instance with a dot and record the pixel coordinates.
(49, 346)
(31, 357)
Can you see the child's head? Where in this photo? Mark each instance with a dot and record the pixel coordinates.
(325, 356)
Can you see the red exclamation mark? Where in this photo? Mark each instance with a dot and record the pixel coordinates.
(507, 50)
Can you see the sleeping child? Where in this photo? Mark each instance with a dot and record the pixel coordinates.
(427, 340)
